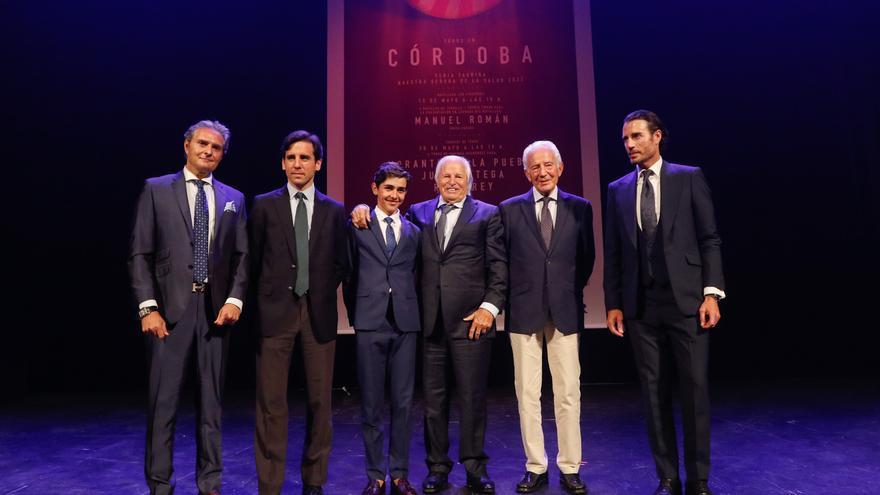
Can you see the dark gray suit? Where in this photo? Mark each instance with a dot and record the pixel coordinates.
(660, 310)
(383, 307)
(160, 265)
(471, 270)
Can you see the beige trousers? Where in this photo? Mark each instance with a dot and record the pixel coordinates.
(565, 370)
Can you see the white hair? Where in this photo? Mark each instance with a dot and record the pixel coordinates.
(454, 158)
(541, 145)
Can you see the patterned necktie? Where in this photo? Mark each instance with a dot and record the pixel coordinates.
(301, 232)
(200, 233)
(546, 221)
(646, 207)
(441, 224)
(390, 240)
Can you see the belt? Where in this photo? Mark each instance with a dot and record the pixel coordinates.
(199, 287)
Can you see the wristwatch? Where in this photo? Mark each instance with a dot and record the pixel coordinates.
(147, 310)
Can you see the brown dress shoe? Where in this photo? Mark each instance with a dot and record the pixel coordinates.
(374, 488)
(668, 486)
(699, 487)
(401, 486)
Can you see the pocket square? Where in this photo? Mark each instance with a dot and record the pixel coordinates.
(230, 206)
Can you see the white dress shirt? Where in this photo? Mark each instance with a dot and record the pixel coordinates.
(554, 194)
(383, 225)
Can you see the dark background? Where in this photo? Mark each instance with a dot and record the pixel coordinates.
(776, 100)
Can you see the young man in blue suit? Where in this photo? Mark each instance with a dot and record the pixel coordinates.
(663, 281)
(189, 269)
(384, 310)
(548, 234)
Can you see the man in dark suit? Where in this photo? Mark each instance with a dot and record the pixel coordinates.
(188, 269)
(383, 307)
(663, 281)
(463, 282)
(298, 243)
(550, 249)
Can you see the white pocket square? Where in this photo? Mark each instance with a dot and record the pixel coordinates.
(230, 206)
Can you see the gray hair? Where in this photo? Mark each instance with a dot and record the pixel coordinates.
(539, 145)
(214, 125)
(455, 158)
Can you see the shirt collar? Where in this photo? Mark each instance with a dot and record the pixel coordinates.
(309, 192)
(554, 194)
(459, 204)
(188, 176)
(381, 216)
(653, 168)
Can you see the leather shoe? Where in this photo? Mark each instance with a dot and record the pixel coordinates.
(531, 482)
(480, 484)
(668, 486)
(572, 483)
(312, 490)
(435, 482)
(699, 487)
(374, 488)
(401, 486)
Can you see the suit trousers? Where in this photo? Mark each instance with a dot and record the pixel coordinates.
(663, 337)
(168, 364)
(273, 367)
(386, 349)
(468, 360)
(565, 370)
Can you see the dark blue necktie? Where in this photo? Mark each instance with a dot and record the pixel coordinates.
(200, 233)
(390, 240)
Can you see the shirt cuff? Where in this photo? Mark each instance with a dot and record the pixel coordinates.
(714, 290)
(235, 302)
(490, 308)
(148, 303)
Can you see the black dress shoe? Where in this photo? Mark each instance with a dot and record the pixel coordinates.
(374, 488)
(312, 490)
(699, 487)
(435, 482)
(572, 483)
(480, 484)
(401, 486)
(531, 482)
(668, 486)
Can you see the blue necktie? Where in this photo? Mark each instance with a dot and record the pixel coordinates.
(390, 240)
(200, 232)
(301, 233)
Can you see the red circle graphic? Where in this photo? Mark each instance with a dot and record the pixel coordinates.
(453, 9)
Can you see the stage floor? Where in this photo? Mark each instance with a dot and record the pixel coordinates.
(772, 438)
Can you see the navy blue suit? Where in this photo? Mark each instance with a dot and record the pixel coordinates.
(383, 307)
(661, 314)
(160, 265)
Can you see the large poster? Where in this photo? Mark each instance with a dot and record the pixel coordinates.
(415, 80)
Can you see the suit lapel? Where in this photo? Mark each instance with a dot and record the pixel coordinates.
(178, 186)
(627, 205)
(425, 213)
(285, 219)
(670, 194)
(527, 205)
(405, 232)
(219, 206)
(468, 210)
(376, 229)
(319, 216)
(562, 214)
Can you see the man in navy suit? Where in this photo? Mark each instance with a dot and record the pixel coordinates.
(300, 256)
(188, 268)
(383, 307)
(663, 281)
(463, 283)
(550, 249)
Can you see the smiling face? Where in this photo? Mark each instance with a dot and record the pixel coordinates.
(390, 194)
(452, 181)
(543, 171)
(203, 152)
(300, 165)
(642, 145)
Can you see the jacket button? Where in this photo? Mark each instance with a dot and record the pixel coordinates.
(289, 288)
(292, 266)
(190, 267)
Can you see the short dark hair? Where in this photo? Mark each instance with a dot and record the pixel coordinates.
(297, 136)
(654, 124)
(390, 169)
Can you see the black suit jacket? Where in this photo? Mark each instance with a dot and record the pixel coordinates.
(376, 277)
(273, 249)
(692, 246)
(472, 269)
(562, 271)
(160, 260)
